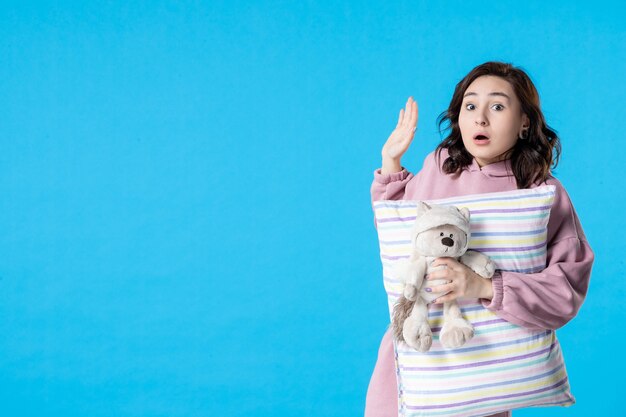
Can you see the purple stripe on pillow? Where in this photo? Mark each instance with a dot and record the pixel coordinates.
(478, 364)
(518, 210)
(516, 249)
(496, 384)
(478, 348)
(498, 397)
(477, 324)
(507, 233)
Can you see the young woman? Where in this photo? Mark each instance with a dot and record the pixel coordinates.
(498, 141)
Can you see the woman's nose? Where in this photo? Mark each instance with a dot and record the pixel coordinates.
(480, 120)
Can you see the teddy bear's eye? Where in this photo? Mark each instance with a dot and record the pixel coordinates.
(451, 235)
(441, 234)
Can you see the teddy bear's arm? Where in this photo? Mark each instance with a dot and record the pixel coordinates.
(479, 263)
(417, 271)
(411, 274)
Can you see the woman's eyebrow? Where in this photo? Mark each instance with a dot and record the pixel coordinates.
(495, 93)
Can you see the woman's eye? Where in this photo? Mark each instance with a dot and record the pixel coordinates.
(498, 107)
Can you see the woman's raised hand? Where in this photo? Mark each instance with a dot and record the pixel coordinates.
(400, 139)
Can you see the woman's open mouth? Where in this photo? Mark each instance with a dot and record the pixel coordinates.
(481, 140)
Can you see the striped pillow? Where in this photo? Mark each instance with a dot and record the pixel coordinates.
(504, 366)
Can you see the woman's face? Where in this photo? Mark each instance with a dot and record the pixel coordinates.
(490, 107)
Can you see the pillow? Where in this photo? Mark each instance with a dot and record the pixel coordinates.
(504, 366)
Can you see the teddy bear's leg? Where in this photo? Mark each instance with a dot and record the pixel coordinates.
(456, 330)
(416, 330)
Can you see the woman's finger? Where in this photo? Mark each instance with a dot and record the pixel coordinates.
(440, 274)
(400, 118)
(450, 263)
(412, 115)
(407, 111)
(441, 288)
(444, 299)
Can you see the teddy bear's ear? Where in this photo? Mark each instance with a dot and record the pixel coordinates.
(422, 207)
(465, 212)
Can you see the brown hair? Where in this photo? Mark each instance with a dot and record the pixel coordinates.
(530, 158)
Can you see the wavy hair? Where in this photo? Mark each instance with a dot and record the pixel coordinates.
(531, 158)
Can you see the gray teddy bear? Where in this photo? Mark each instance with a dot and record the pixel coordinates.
(439, 231)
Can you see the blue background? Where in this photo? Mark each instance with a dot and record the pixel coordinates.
(185, 222)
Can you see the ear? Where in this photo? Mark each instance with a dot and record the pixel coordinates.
(525, 123)
(466, 213)
(422, 208)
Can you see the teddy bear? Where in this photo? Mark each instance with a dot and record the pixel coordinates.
(438, 231)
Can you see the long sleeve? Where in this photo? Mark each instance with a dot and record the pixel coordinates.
(390, 186)
(550, 298)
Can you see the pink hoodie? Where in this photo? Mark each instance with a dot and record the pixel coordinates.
(544, 300)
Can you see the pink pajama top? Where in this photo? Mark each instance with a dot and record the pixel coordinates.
(543, 300)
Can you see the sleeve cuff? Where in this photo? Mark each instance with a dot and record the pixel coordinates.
(387, 178)
(498, 291)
